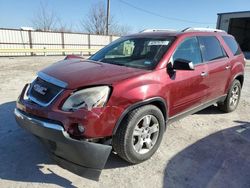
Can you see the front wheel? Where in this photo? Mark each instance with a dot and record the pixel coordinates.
(140, 134)
(233, 98)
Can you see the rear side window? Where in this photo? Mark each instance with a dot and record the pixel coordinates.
(188, 50)
(211, 48)
(232, 44)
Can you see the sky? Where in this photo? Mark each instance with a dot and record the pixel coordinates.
(136, 14)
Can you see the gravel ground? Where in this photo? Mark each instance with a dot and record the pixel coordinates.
(207, 149)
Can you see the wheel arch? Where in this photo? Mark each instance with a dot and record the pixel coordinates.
(157, 101)
(239, 77)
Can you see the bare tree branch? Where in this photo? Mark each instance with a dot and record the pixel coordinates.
(45, 19)
(63, 27)
(95, 22)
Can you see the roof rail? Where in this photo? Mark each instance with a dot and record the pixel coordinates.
(157, 30)
(190, 29)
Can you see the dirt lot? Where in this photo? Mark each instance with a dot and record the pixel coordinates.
(207, 149)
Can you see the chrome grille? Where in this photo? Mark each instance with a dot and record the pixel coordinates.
(43, 92)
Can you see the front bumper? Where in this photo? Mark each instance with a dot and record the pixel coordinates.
(82, 157)
(98, 122)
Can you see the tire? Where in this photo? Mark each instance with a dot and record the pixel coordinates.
(140, 134)
(233, 97)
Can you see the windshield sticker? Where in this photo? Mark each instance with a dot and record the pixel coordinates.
(147, 62)
(158, 43)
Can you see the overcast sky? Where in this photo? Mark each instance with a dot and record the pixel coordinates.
(138, 14)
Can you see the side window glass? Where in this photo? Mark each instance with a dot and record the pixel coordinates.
(232, 44)
(211, 48)
(188, 50)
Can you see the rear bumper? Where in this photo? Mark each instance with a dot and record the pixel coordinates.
(82, 157)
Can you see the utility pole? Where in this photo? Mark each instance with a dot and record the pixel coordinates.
(107, 18)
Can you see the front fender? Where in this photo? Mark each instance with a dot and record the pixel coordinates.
(155, 100)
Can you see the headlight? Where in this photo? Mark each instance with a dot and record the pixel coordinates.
(87, 98)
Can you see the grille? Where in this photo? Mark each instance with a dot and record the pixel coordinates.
(42, 92)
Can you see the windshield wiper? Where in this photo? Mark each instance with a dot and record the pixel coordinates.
(114, 63)
(90, 60)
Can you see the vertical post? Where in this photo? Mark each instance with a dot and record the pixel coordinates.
(110, 38)
(63, 45)
(107, 18)
(89, 44)
(30, 42)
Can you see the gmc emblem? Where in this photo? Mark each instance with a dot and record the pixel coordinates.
(40, 89)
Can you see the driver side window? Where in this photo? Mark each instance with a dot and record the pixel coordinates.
(188, 50)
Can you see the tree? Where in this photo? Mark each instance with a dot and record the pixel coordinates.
(95, 22)
(45, 19)
(63, 27)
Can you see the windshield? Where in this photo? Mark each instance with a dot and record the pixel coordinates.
(142, 53)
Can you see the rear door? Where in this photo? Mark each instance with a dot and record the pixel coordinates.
(218, 66)
(188, 88)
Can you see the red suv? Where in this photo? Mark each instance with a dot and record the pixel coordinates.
(125, 95)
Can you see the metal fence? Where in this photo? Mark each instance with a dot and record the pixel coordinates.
(15, 42)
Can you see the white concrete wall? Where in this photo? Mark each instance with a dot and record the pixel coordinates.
(18, 39)
(14, 39)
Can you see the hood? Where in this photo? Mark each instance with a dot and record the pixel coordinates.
(79, 73)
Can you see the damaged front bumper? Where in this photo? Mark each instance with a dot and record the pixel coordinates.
(81, 157)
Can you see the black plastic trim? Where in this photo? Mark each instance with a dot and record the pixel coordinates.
(82, 171)
(139, 104)
(237, 75)
(194, 110)
(234, 78)
(70, 153)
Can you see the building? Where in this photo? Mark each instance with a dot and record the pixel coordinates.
(238, 25)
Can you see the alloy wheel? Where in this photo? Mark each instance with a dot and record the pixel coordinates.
(145, 134)
(234, 96)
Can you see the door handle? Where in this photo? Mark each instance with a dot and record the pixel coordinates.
(228, 67)
(203, 74)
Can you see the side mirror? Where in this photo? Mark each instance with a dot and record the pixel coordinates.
(182, 64)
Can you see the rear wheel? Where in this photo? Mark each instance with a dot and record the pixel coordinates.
(233, 97)
(140, 134)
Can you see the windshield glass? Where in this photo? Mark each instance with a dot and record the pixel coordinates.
(142, 53)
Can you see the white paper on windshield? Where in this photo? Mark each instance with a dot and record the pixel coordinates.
(158, 43)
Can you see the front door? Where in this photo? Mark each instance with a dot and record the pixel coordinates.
(188, 87)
